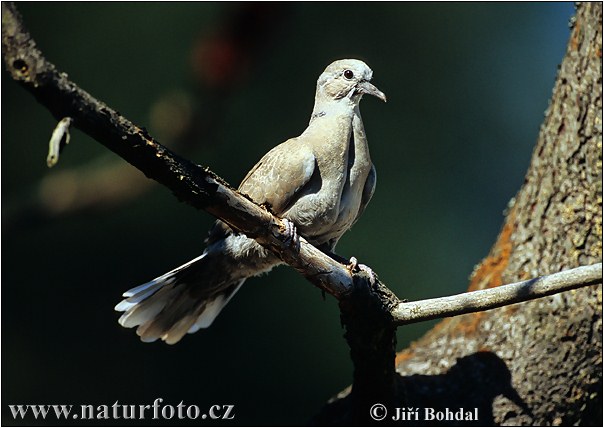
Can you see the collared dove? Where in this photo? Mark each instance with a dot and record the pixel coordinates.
(320, 181)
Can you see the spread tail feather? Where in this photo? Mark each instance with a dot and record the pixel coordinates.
(181, 301)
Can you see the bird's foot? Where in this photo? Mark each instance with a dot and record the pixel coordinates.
(292, 238)
(355, 266)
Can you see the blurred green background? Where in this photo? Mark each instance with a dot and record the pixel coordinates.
(222, 83)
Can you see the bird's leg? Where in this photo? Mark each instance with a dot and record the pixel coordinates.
(292, 238)
(356, 266)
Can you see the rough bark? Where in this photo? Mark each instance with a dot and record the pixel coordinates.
(536, 363)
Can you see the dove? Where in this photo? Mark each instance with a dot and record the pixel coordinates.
(320, 182)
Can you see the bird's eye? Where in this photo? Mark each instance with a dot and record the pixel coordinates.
(348, 74)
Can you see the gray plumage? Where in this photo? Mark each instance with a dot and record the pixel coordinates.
(321, 181)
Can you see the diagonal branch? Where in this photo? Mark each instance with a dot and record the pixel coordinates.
(191, 183)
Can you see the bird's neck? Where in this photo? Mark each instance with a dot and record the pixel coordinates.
(343, 119)
(326, 105)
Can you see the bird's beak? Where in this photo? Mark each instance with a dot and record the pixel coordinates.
(364, 87)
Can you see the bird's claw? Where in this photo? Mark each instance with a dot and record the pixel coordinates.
(291, 234)
(355, 266)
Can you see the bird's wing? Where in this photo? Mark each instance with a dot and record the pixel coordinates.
(280, 175)
(368, 190)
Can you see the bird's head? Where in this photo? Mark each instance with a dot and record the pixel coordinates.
(347, 78)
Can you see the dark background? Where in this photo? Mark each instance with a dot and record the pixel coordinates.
(467, 87)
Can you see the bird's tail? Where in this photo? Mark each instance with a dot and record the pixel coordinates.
(181, 301)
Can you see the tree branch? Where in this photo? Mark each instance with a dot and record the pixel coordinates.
(482, 300)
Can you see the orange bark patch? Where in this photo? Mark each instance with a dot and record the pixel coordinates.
(574, 38)
(511, 309)
(488, 273)
(404, 355)
(469, 323)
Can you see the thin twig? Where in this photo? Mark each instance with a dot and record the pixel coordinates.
(482, 300)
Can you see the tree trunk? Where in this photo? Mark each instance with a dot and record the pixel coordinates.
(540, 362)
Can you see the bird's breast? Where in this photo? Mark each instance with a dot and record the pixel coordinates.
(330, 203)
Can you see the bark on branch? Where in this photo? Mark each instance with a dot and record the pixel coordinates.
(482, 300)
